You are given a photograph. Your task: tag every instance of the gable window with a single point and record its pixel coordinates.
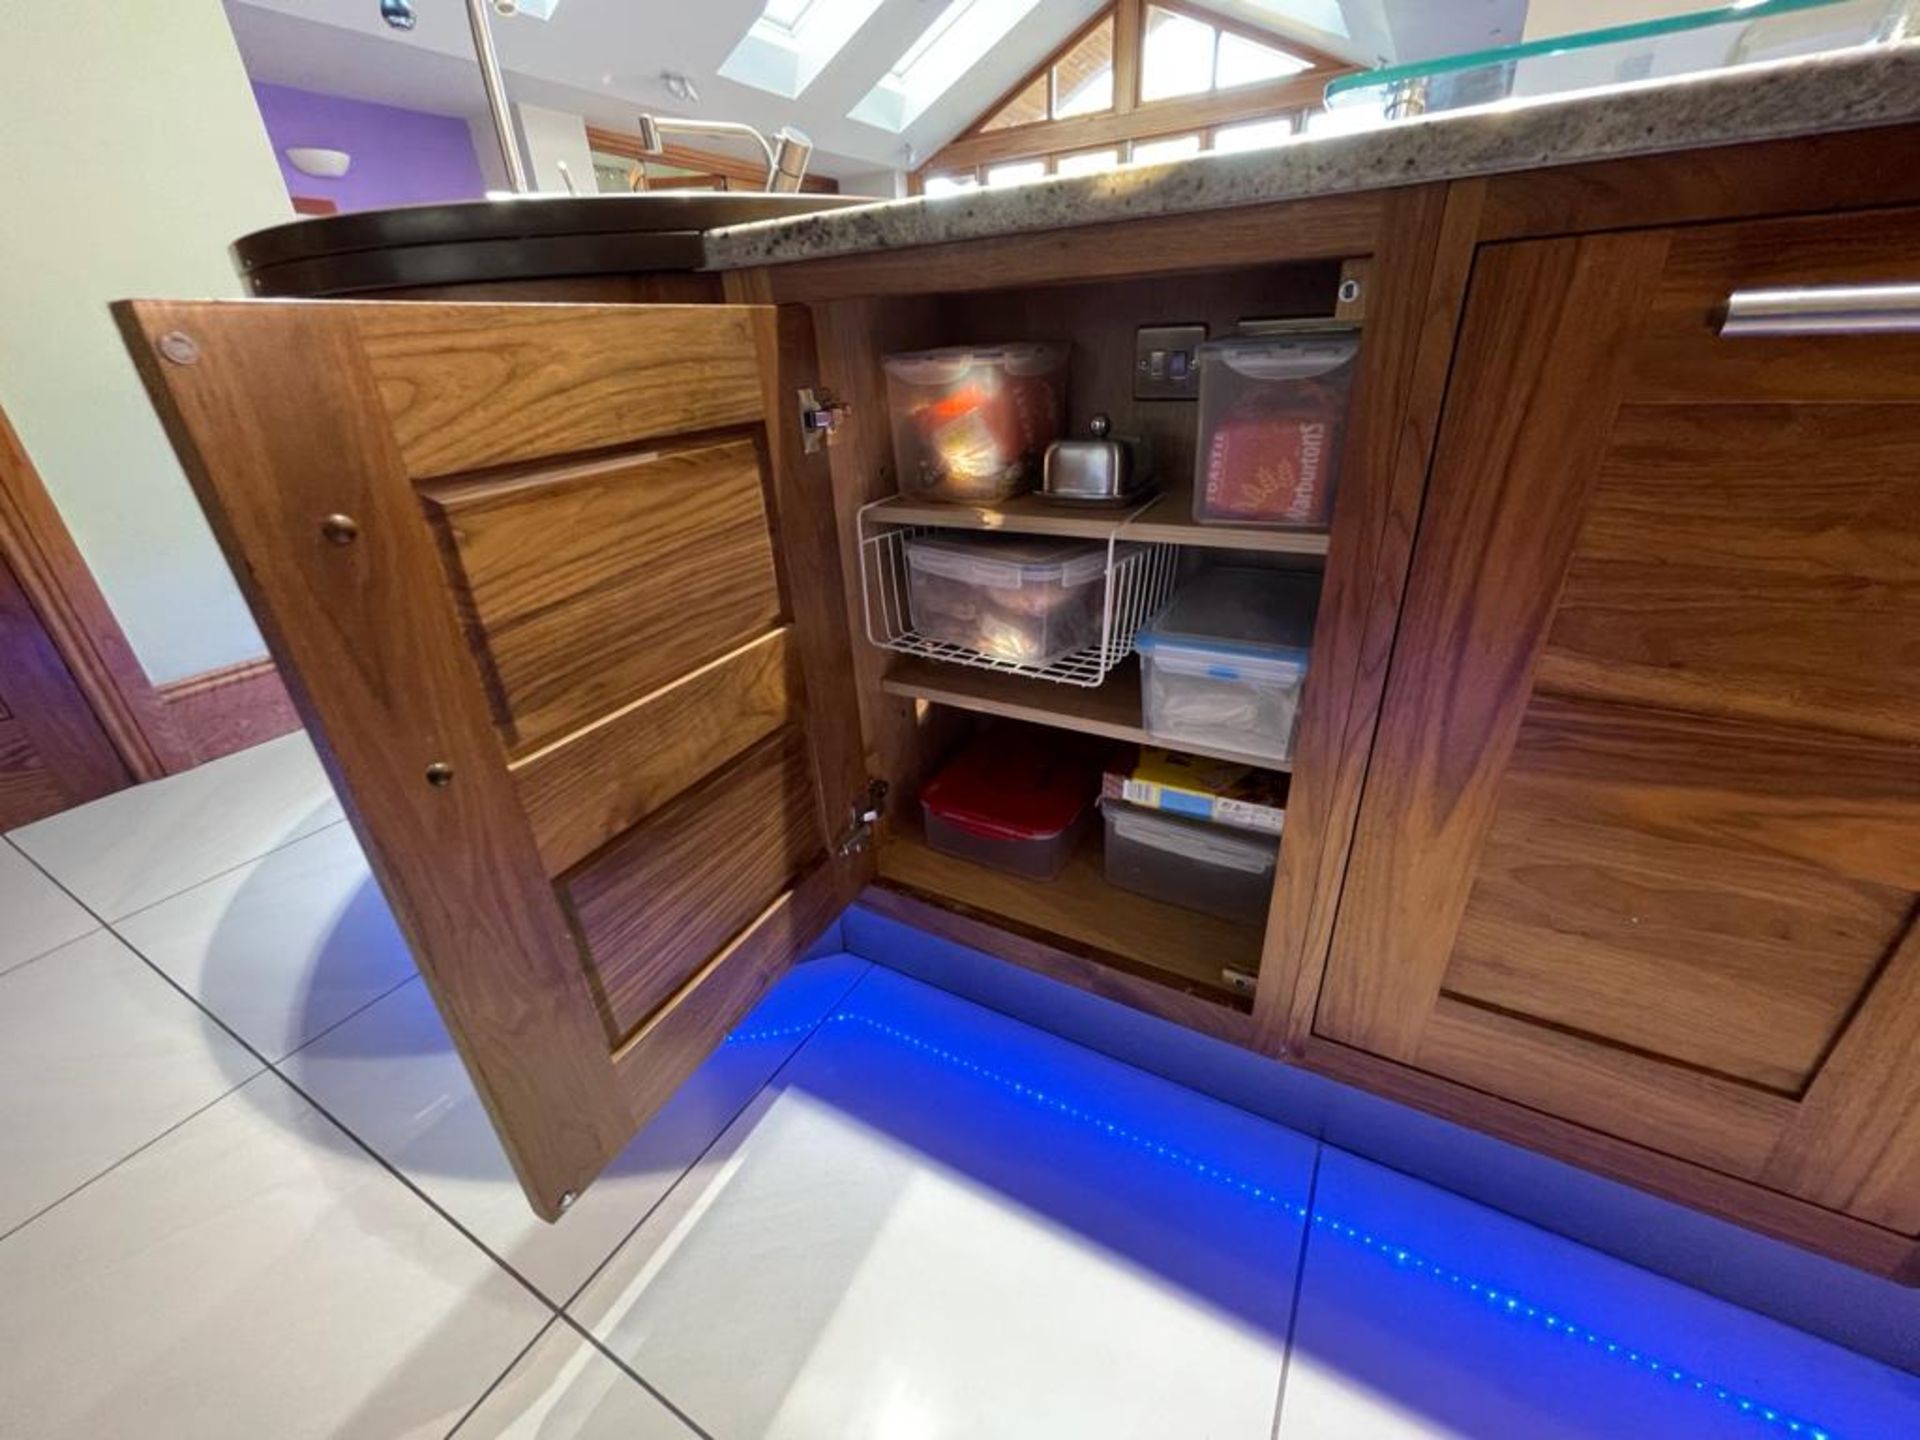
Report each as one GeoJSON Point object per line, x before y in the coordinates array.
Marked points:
{"type": "Point", "coordinates": [1078, 82]}
{"type": "Point", "coordinates": [1183, 55]}
{"type": "Point", "coordinates": [1144, 82]}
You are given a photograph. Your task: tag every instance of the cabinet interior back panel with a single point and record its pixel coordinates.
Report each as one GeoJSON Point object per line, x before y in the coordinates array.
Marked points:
{"type": "Point", "coordinates": [588, 586]}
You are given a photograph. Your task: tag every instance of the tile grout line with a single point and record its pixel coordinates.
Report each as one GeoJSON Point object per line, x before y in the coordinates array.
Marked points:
{"type": "Point", "coordinates": [286, 844]}
{"type": "Point", "coordinates": [500, 1379]}
{"type": "Point", "coordinates": [268, 1067]}
{"type": "Point", "coordinates": [1299, 1287]}
{"type": "Point", "coordinates": [109, 921]}
{"type": "Point", "coordinates": [262, 1063]}
{"type": "Point", "coordinates": [587, 1335]}
{"type": "Point", "coordinates": [137, 1150]}
{"type": "Point", "coordinates": [566, 1312]}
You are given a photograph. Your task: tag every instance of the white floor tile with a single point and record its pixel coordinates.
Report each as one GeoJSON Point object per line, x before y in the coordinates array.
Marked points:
{"type": "Point", "coordinates": [283, 947]}
{"type": "Point", "coordinates": [941, 1223]}
{"type": "Point", "coordinates": [36, 915]}
{"type": "Point", "coordinates": [564, 1386]}
{"type": "Point", "coordinates": [252, 1274]}
{"type": "Point", "coordinates": [130, 849]}
{"type": "Point", "coordinates": [98, 1055]}
{"type": "Point", "coordinates": [390, 1075]}
{"type": "Point", "coordinates": [1395, 1342]}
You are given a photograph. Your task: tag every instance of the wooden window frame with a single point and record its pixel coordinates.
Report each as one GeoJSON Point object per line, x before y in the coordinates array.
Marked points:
{"type": "Point", "coordinates": [1131, 118]}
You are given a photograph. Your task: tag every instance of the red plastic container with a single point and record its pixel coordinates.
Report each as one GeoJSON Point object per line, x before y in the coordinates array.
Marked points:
{"type": "Point", "coordinates": [1016, 800]}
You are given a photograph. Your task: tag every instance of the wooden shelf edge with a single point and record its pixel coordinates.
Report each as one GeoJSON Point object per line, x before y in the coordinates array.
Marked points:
{"type": "Point", "coordinates": [1166, 518]}
{"type": "Point", "coordinates": [1110, 710]}
{"type": "Point", "coordinates": [1080, 913]}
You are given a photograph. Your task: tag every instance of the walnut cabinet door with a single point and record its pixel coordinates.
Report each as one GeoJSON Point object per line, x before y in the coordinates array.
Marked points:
{"type": "Point", "coordinates": [556, 590]}
{"type": "Point", "coordinates": [1640, 840]}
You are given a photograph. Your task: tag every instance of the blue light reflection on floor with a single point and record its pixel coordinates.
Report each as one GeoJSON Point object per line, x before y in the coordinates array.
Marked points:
{"type": "Point", "coordinates": [1548, 1321]}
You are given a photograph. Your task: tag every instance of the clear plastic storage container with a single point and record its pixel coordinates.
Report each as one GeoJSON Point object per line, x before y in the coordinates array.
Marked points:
{"type": "Point", "coordinates": [1273, 418]}
{"type": "Point", "coordinates": [1191, 863]}
{"type": "Point", "coordinates": [971, 423]}
{"type": "Point", "coordinates": [1015, 799]}
{"type": "Point", "coordinates": [1222, 666]}
{"type": "Point", "coordinates": [1026, 599]}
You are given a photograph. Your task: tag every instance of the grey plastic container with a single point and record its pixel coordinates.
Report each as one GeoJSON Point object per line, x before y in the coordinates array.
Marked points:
{"type": "Point", "coordinates": [1222, 667]}
{"type": "Point", "coordinates": [1190, 863]}
{"type": "Point", "coordinates": [1026, 599]}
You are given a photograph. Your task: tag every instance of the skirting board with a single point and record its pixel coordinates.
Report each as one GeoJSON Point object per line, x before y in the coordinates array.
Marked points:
{"type": "Point", "coordinates": [220, 711]}
{"type": "Point", "coordinates": [1849, 1307]}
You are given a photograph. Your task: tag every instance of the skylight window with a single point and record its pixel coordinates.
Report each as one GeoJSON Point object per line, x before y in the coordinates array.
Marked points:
{"type": "Point", "coordinates": [960, 35]}
{"type": "Point", "coordinates": [793, 41]}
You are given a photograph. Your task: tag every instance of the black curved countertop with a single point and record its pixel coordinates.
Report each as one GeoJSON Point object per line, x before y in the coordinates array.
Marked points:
{"type": "Point", "coordinates": [517, 238]}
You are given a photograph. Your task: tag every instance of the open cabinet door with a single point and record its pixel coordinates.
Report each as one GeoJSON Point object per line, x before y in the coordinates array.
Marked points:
{"type": "Point", "coordinates": [555, 589]}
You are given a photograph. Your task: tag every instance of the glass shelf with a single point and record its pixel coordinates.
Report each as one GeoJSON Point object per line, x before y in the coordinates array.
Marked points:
{"type": "Point", "coordinates": [1686, 44]}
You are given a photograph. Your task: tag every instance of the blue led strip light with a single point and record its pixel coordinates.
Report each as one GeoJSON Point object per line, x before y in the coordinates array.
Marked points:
{"type": "Point", "coordinates": [1502, 1301]}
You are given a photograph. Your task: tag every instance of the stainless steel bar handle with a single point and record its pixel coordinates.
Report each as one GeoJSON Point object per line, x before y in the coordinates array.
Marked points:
{"type": "Point", "coordinates": [1823, 310]}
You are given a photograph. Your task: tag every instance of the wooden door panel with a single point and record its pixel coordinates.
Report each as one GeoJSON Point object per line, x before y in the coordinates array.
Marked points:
{"type": "Point", "coordinates": [661, 900]}
{"type": "Point", "coordinates": [1753, 560]}
{"type": "Point", "coordinates": [1640, 845]}
{"type": "Point", "coordinates": [1682, 359]}
{"type": "Point", "coordinates": [1595, 1082]}
{"type": "Point", "coordinates": [472, 386]}
{"type": "Point", "coordinates": [1634, 887]}
{"type": "Point", "coordinates": [1546, 331]}
{"type": "Point", "coordinates": [584, 587]}
{"type": "Point", "coordinates": [528, 731]}
{"type": "Point", "coordinates": [582, 791]}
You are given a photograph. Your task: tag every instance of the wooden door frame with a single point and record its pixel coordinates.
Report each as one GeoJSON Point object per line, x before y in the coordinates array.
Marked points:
{"type": "Point", "coordinates": [36, 546]}
{"type": "Point", "coordinates": [157, 729]}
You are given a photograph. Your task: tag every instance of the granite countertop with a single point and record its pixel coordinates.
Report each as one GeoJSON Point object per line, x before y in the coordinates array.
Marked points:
{"type": "Point", "coordinates": [1850, 90]}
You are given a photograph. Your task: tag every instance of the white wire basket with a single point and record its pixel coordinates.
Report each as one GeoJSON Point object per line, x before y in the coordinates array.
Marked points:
{"type": "Point", "coordinates": [1138, 582]}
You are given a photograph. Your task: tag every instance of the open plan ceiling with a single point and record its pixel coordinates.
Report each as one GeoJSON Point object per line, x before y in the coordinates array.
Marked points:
{"type": "Point", "coordinates": [877, 84]}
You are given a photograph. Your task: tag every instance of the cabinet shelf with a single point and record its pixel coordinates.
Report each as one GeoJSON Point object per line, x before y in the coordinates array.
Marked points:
{"type": "Point", "coordinates": [1112, 709]}
{"type": "Point", "coordinates": [1166, 518]}
{"type": "Point", "coordinates": [1164, 943]}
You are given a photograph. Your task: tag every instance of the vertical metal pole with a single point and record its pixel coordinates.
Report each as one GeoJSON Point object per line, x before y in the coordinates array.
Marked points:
{"type": "Point", "coordinates": [496, 84]}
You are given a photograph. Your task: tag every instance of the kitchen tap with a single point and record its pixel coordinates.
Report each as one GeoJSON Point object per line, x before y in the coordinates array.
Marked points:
{"type": "Point", "coordinates": [787, 153]}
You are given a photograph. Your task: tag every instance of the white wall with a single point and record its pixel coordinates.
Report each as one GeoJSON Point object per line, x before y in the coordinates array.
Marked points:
{"type": "Point", "coordinates": [553, 136]}
{"type": "Point", "coordinates": [132, 155]}
{"type": "Point", "coordinates": [1548, 18]}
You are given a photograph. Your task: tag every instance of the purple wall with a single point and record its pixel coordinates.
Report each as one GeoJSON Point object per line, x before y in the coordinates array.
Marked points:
{"type": "Point", "coordinates": [400, 157]}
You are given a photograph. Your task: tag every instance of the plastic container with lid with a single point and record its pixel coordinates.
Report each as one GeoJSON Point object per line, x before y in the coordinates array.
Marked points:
{"type": "Point", "coordinates": [1190, 863]}
{"type": "Point", "coordinates": [1028, 599]}
{"type": "Point", "coordinates": [1223, 665]}
{"type": "Point", "coordinates": [1015, 799]}
{"type": "Point", "coordinates": [1273, 419]}
{"type": "Point", "coordinates": [971, 422]}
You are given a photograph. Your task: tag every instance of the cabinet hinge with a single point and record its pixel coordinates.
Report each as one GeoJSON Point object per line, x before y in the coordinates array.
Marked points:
{"type": "Point", "coordinates": [866, 809]}
{"type": "Point", "coordinates": [820, 418]}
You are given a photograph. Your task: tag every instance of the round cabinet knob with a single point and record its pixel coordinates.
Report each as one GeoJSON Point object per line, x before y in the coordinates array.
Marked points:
{"type": "Point", "coordinates": [439, 774]}
{"type": "Point", "coordinates": [340, 529]}
{"type": "Point", "coordinates": [1100, 425]}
